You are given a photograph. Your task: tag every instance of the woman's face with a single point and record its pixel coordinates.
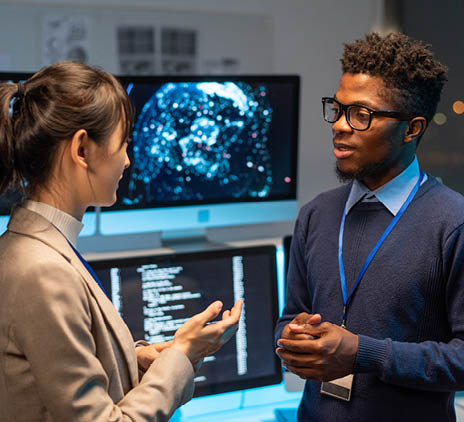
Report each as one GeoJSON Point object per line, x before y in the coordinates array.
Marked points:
{"type": "Point", "coordinates": [108, 168]}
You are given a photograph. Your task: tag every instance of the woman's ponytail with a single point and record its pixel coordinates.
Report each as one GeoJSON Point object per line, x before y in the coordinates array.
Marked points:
{"type": "Point", "coordinates": [10, 96]}
{"type": "Point", "coordinates": [54, 103]}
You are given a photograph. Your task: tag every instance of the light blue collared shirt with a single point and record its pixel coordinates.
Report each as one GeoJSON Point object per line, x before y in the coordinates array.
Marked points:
{"type": "Point", "coordinates": [392, 194]}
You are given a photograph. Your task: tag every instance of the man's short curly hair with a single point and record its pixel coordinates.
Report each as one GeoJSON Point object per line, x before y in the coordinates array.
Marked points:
{"type": "Point", "coordinates": [413, 78]}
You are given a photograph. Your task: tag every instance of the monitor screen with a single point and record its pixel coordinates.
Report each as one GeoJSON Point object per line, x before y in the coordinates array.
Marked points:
{"type": "Point", "coordinates": [156, 294]}
{"type": "Point", "coordinates": [211, 140]}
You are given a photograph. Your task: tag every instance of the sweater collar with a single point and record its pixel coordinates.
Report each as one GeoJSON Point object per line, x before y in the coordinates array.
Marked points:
{"type": "Point", "coordinates": [65, 223]}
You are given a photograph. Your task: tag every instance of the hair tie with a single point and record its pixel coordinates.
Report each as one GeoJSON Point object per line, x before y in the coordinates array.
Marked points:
{"type": "Point", "coordinates": [20, 92]}
{"type": "Point", "coordinates": [16, 100]}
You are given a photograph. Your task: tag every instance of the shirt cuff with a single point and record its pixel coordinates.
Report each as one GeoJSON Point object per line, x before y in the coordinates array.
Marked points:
{"type": "Point", "coordinates": [371, 355]}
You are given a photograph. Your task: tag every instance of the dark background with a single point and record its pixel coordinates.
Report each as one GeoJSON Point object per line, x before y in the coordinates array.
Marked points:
{"type": "Point", "coordinates": [441, 24]}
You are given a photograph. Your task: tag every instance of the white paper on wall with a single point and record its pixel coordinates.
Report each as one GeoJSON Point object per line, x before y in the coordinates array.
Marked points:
{"type": "Point", "coordinates": [65, 38]}
{"type": "Point", "coordinates": [149, 50]}
{"type": "Point", "coordinates": [178, 51]}
{"type": "Point", "coordinates": [136, 50]}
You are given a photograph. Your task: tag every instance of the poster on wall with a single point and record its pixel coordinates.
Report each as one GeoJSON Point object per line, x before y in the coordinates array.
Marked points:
{"type": "Point", "coordinates": [146, 50]}
{"type": "Point", "coordinates": [136, 48]}
{"type": "Point", "coordinates": [65, 38]}
{"type": "Point", "coordinates": [178, 51]}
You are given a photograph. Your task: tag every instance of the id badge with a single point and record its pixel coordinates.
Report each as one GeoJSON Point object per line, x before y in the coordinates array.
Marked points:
{"type": "Point", "coordinates": [339, 388]}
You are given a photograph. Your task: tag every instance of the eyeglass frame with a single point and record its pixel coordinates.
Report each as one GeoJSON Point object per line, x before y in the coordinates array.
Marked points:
{"type": "Point", "coordinates": [344, 109]}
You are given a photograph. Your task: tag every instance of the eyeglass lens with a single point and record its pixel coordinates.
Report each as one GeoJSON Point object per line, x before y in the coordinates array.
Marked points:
{"type": "Point", "coordinates": [358, 117]}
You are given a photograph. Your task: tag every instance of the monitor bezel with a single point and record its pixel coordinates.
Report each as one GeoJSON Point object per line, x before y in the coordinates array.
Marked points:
{"type": "Point", "coordinates": [269, 250]}
{"type": "Point", "coordinates": [15, 77]}
{"type": "Point", "coordinates": [293, 79]}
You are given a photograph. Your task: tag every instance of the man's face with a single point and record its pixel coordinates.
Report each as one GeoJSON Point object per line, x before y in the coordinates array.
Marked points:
{"type": "Point", "coordinates": [378, 154]}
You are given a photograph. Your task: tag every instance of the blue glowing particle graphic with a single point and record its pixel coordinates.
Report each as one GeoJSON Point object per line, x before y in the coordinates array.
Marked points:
{"type": "Point", "coordinates": [201, 141]}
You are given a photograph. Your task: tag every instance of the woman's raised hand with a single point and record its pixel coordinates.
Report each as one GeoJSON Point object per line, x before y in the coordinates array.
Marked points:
{"type": "Point", "coordinates": [199, 337]}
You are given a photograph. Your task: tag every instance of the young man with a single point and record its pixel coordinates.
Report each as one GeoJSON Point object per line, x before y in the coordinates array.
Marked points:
{"type": "Point", "coordinates": [374, 317]}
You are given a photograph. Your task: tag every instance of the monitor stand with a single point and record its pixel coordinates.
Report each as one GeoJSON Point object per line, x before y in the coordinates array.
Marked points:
{"type": "Point", "coordinates": [189, 240]}
{"type": "Point", "coordinates": [174, 240]}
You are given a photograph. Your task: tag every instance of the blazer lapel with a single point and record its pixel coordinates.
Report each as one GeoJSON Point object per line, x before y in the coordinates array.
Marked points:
{"type": "Point", "coordinates": [113, 319]}
{"type": "Point", "coordinates": [29, 223]}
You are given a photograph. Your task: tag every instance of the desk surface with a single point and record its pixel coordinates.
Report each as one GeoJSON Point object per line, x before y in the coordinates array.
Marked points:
{"type": "Point", "coordinates": [277, 412]}
{"type": "Point", "coordinates": [253, 405]}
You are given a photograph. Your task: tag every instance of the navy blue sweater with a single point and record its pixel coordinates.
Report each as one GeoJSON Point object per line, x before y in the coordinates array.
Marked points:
{"type": "Point", "coordinates": [408, 309]}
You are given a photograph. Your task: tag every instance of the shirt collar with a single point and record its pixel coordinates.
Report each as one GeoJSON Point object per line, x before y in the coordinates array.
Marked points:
{"type": "Point", "coordinates": [69, 226]}
{"type": "Point", "coordinates": [392, 194]}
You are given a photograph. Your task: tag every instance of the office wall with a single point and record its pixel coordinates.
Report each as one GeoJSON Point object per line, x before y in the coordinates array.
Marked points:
{"type": "Point", "coordinates": [302, 36]}
{"type": "Point", "coordinates": [268, 36]}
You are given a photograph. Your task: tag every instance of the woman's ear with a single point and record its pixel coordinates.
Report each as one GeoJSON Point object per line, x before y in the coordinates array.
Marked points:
{"type": "Point", "coordinates": [416, 128]}
{"type": "Point", "coordinates": [80, 148]}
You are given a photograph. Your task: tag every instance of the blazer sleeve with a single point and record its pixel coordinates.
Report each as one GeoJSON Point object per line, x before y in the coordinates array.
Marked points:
{"type": "Point", "coordinates": [53, 327]}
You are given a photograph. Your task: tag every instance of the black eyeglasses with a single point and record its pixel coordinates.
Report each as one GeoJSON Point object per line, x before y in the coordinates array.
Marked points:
{"type": "Point", "coordinates": [358, 117]}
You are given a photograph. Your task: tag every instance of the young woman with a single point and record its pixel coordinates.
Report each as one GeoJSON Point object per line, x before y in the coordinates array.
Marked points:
{"type": "Point", "coordinates": [65, 354]}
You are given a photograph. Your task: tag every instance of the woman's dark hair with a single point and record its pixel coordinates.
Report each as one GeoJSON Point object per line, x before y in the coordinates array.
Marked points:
{"type": "Point", "coordinates": [413, 78]}
{"type": "Point", "coordinates": [57, 101]}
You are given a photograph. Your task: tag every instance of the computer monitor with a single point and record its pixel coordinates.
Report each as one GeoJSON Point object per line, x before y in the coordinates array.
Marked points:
{"type": "Point", "coordinates": [156, 294]}
{"type": "Point", "coordinates": [208, 151]}
{"type": "Point", "coordinates": [11, 198]}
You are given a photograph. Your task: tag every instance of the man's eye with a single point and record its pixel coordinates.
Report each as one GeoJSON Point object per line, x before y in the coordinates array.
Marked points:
{"type": "Point", "coordinates": [360, 113]}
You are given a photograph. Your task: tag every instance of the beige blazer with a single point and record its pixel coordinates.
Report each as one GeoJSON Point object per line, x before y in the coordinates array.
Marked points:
{"type": "Point", "coordinates": [65, 353]}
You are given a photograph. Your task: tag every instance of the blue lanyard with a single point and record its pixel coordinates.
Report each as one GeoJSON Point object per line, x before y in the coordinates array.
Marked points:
{"type": "Point", "coordinates": [346, 298]}
{"type": "Point", "coordinates": [88, 267]}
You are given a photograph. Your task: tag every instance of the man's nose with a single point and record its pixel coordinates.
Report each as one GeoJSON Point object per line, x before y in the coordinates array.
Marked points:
{"type": "Point", "coordinates": [341, 125]}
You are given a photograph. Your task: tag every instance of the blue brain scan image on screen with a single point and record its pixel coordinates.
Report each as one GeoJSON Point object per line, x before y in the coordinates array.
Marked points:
{"type": "Point", "coordinates": [205, 140]}
{"type": "Point", "coordinates": [209, 140]}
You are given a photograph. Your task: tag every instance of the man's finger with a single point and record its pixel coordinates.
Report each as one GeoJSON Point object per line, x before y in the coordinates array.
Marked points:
{"type": "Point", "coordinates": [299, 346]}
{"type": "Point", "coordinates": [300, 332]}
{"type": "Point", "coordinates": [297, 359]}
{"type": "Point", "coordinates": [305, 318]}
{"type": "Point", "coordinates": [305, 373]}
{"type": "Point", "coordinates": [315, 330]}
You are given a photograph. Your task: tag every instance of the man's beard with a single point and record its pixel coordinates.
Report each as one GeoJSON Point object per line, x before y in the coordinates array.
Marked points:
{"type": "Point", "coordinates": [368, 171]}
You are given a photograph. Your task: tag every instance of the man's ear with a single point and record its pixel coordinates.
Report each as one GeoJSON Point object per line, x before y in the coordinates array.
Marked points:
{"type": "Point", "coordinates": [416, 128]}
{"type": "Point", "coordinates": [80, 148]}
